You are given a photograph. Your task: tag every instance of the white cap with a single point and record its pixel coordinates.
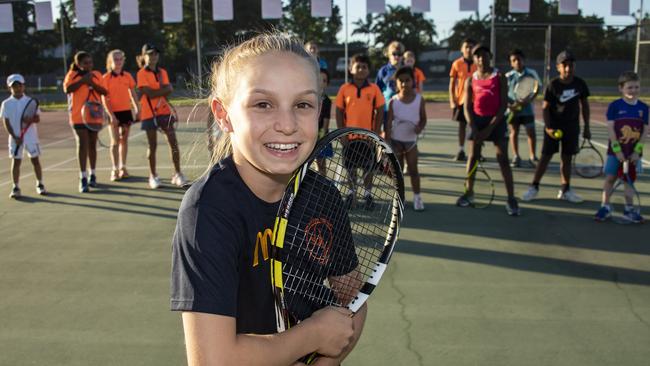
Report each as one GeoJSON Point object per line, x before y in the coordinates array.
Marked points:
{"type": "Point", "coordinates": [15, 77]}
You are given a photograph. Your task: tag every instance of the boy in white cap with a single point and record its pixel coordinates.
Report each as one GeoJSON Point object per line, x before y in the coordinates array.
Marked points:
{"type": "Point", "coordinates": [11, 113]}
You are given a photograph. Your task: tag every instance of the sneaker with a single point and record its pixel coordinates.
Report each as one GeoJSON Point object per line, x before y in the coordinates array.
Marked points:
{"type": "Point", "coordinates": [418, 205]}
{"type": "Point", "coordinates": [632, 215]}
{"type": "Point", "coordinates": [123, 173]}
{"type": "Point", "coordinates": [569, 196]}
{"type": "Point", "coordinates": [516, 162]}
{"type": "Point", "coordinates": [154, 182]}
{"type": "Point", "coordinates": [179, 180]}
{"type": "Point", "coordinates": [115, 175]}
{"type": "Point", "coordinates": [40, 189]}
{"type": "Point", "coordinates": [93, 181]}
{"type": "Point", "coordinates": [460, 156]}
{"type": "Point", "coordinates": [83, 185]}
{"type": "Point", "coordinates": [465, 200]}
{"type": "Point", "coordinates": [512, 207]}
{"type": "Point", "coordinates": [533, 162]}
{"type": "Point", "coordinates": [15, 193]}
{"type": "Point", "coordinates": [530, 194]}
{"type": "Point", "coordinates": [369, 204]}
{"type": "Point", "coordinates": [603, 213]}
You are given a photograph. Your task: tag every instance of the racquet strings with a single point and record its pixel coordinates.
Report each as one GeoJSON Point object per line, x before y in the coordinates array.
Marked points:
{"type": "Point", "coordinates": [482, 191]}
{"type": "Point", "coordinates": [525, 87]}
{"type": "Point", "coordinates": [588, 162]}
{"type": "Point", "coordinates": [331, 247]}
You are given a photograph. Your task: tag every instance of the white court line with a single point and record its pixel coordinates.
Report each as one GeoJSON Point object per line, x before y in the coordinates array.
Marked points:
{"type": "Point", "coordinates": [52, 167]}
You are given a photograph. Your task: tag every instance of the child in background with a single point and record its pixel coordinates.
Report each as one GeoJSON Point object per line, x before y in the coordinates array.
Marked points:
{"type": "Point", "coordinates": [324, 121]}
{"type": "Point", "coordinates": [461, 70]}
{"type": "Point", "coordinates": [406, 119]}
{"type": "Point", "coordinates": [627, 126]}
{"type": "Point", "coordinates": [384, 79]}
{"type": "Point", "coordinates": [11, 113]}
{"type": "Point", "coordinates": [312, 47]}
{"type": "Point", "coordinates": [409, 60]}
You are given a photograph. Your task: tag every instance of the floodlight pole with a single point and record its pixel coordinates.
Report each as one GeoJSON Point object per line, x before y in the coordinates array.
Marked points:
{"type": "Point", "coordinates": [493, 34]}
{"type": "Point", "coordinates": [346, 42]}
{"type": "Point", "coordinates": [638, 38]}
{"type": "Point", "coordinates": [198, 39]}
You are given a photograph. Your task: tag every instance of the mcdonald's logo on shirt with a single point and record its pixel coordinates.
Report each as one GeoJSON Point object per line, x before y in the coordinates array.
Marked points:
{"type": "Point", "coordinates": [264, 238]}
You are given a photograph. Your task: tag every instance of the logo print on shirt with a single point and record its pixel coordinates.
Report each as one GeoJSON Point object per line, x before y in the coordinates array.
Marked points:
{"type": "Point", "coordinates": [568, 94]}
{"type": "Point", "coordinates": [629, 134]}
{"type": "Point", "coordinates": [264, 238]}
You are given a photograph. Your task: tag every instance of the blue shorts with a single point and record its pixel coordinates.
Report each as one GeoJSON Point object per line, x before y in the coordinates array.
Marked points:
{"type": "Point", "coordinates": [612, 164]}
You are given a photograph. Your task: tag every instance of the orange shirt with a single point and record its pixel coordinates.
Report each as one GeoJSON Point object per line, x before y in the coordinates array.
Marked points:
{"type": "Point", "coordinates": [461, 71]}
{"type": "Point", "coordinates": [153, 80]}
{"type": "Point", "coordinates": [118, 86]}
{"type": "Point", "coordinates": [419, 77]}
{"type": "Point", "coordinates": [77, 98]}
{"type": "Point", "coordinates": [359, 104]}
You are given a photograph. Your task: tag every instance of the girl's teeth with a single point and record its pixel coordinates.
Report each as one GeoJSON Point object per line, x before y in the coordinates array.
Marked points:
{"type": "Point", "coordinates": [282, 146]}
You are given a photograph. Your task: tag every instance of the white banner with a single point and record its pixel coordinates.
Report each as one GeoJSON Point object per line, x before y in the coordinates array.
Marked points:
{"type": "Point", "coordinates": [271, 9]}
{"type": "Point", "coordinates": [222, 10]}
{"type": "Point", "coordinates": [519, 6]}
{"type": "Point", "coordinates": [621, 7]}
{"type": "Point", "coordinates": [375, 6]}
{"type": "Point", "coordinates": [420, 6]}
{"type": "Point", "coordinates": [85, 13]}
{"type": "Point", "coordinates": [172, 11]}
{"type": "Point", "coordinates": [468, 5]}
{"type": "Point", "coordinates": [129, 12]}
{"type": "Point", "coordinates": [6, 18]}
{"type": "Point", "coordinates": [44, 19]}
{"type": "Point", "coordinates": [568, 7]}
{"type": "Point", "coordinates": [321, 8]}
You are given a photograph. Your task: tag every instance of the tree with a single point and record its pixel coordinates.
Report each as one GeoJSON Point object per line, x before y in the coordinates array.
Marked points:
{"type": "Point", "coordinates": [364, 26]}
{"type": "Point", "coordinates": [297, 20]}
{"type": "Point", "coordinates": [399, 24]}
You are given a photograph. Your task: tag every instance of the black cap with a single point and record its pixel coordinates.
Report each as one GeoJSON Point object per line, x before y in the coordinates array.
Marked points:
{"type": "Point", "coordinates": [564, 56]}
{"type": "Point", "coordinates": [149, 48]}
{"type": "Point", "coordinates": [478, 47]}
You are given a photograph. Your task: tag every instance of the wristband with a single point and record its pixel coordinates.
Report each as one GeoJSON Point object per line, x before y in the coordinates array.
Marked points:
{"type": "Point", "coordinates": [638, 148]}
{"type": "Point", "coordinates": [616, 147]}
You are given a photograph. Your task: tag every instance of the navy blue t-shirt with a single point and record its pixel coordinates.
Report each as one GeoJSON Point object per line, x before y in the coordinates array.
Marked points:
{"type": "Point", "coordinates": [220, 251]}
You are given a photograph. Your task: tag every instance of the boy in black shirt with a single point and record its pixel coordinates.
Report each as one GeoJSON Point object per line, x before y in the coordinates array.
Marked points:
{"type": "Point", "coordinates": [565, 96]}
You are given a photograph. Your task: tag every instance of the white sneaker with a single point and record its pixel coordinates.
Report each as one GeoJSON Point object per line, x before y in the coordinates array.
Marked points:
{"type": "Point", "coordinates": [154, 182]}
{"type": "Point", "coordinates": [530, 194]}
{"type": "Point", "coordinates": [569, 196]}
{"type": "Point", "coordinates": [418, 205]}
{"type": "Point", "coordinates": [179, 179]}
{"type": "Point", "coordinates": [40, 189]}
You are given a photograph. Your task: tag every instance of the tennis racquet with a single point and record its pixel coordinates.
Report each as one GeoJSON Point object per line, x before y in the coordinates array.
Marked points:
{"type": "Point", "coordinates": [526, 87]}
{"type": "Point", "coordinates": [624, 198]}
{"type": "Point", "coordinates": [479, 187]}
{"type": "Point", "coordinates": [163, 122]}
{"type": "Point", "coordinates": [93, 115]}
{"type": "Point", "coordinates": [588, 162]}
{"type": "Point", "coordinates": [26, 121]}
{"type": "Point", "coordinates": [323, 253]}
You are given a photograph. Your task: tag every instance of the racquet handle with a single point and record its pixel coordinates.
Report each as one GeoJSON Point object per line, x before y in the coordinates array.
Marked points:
{"type": "Point", "coordinates": [626, 167]}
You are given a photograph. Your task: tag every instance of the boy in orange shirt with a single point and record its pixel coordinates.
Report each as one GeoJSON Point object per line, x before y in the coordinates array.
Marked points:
{"type": "Point", "coordinates": [360, 103]}
{"type": "Point", "coordinates": [461, 70]}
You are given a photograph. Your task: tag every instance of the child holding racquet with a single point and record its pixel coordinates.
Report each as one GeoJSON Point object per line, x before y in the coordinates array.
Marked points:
{"type": "Point", "coordinates": [122, 108]}
{"type": "Point", "coordinates": [406, 119]}
{"type": "Point", "coordinates": [19, 122]}
{"type": "Point", "coordinates": [461, 70]}
{"type": "Point", "coordinates": [485, 105]}
{"type": "Point", "coordinates": [627, 126]}
{"type": "Point", "coordinates": [266, 96]}
{"type": "Point", "coordinates": [156, 113]}
{"type": "Point", "coordinates": [523, 112]}
{"type": "Point", "coordinates": [84, 87]}
{"type": "Point", "coordinates": [565, 97]}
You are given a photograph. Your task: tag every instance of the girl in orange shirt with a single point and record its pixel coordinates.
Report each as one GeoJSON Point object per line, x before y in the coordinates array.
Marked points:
{"type": "Point", "coordinates": [153, 84]}
{"type": "Point", "coordinates": [122, 108]}
{"type": "Point", "coordinates": [83, 84]}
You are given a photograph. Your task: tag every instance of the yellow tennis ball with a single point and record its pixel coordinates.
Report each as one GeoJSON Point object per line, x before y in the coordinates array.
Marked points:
{"type": "Point", "coordinates": [558, 134]}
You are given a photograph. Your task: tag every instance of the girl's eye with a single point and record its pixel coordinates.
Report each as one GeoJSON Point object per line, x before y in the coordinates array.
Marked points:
{"type": "Point", "coordinates": [304, 105]}
{"type": "Point", "coordinates": [263, 105]}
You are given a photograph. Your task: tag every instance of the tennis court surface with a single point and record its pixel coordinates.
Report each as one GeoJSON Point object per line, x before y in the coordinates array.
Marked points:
{"type": "Point", "coordinates": [84, 278]}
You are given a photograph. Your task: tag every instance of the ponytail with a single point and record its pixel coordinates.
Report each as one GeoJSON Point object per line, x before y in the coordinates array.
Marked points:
{"type": "Point", "coordinates": [78, 57]}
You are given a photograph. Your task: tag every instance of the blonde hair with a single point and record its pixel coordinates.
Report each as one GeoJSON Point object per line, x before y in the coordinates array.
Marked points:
{"type": "Point", "coordinates": [408, 54]}
{"type": "Point", "coordinates": [109, 59]}
{"type": "Point", "coordinates": [227, 69]}
{"type": "Point", "coordinates": [394, 45]}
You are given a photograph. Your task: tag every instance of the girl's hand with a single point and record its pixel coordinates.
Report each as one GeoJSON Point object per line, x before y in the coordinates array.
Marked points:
{"type": "Point", "coordinates": [112, 119]}
{"type": "Point", "coordinates": [418, 129]}
{"type": "Point", "coordinates": [335, 329]}
{"type": "Point", "coordinates": [87, 78]}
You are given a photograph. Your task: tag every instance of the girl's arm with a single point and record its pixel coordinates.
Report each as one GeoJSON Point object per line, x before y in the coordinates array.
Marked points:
{"type": "Point", "coordinates": [108, 109]}
{"type": "Point", "coordinates": [10, 131]}
{"type": "Point", "coordinates": [423, 116]}
{"type": "Point", "coordinates": [389, 121]}
{"type": "Point", "coordinates": [86, 79]}
{"type": "Point", "coordinates": [98, 87]}
{"type": "Point", "coordinates": [164, 91]}
{"type": "Point", "coordinates": [134, 102]}
{"type": "Point", "coordinates": [379, 118]}
{"type": "Point", "coordinates": [469, 103]}
{"type": "Point", "coordinates": [503, 99]}
{"type": "Point", "coordinates": [212, 340]}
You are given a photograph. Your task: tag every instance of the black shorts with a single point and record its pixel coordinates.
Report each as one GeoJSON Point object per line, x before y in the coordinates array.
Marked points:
{"type": "Point", "coordinates": [403, 146]}
{"type": "Point", "coordinates": [124, 118]}
{"type": "Point", "coordinates": [499, 132]}
{"type": "Point", "coordinates": [528, 121]}
{"type": "Point", "coordinates": [570, 142]}
{"type": "Point", "coordinates": [458, 114]}
{"type": "Point", "coordinates": [81, 126]}
{"type": "Point", "coordinates": [359, 154]}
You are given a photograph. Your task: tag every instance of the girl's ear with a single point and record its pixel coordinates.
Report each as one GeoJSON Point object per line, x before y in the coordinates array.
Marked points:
{"type": "Point", "coordinates": [220, 115]}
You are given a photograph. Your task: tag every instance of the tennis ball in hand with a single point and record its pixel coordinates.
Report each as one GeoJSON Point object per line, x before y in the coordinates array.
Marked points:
{"type": "Point", "coordinates": [558, 134]}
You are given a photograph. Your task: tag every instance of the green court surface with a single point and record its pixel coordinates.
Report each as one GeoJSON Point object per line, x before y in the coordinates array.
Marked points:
{"type": "Point", "coordinates": [84, 279]}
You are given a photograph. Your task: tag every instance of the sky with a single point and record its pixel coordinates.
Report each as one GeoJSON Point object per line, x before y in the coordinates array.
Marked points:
{"type": "Point", "coordinates": [447, 14]}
